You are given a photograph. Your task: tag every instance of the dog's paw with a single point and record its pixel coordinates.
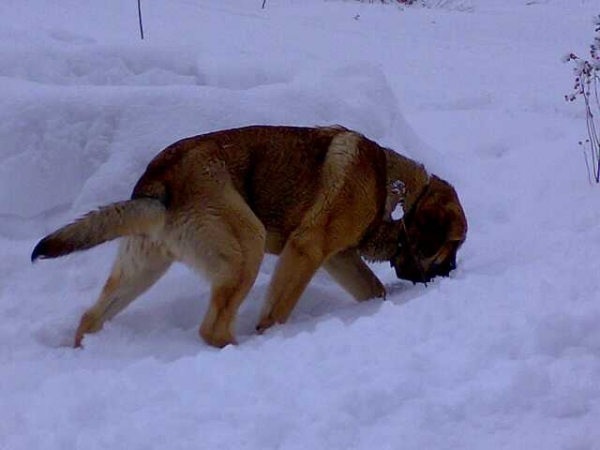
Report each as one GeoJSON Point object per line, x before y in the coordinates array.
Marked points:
{"type": "Point", "coordinates": [264, 323]}
{"type": "Point", "coordinates": [218, 340]}
{"type": "Point", "coordinates": [89, 323]}
{"type": "Point", "coordinates": [78, 341]}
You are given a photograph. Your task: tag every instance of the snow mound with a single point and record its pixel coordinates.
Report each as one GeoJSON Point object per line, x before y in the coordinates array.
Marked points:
{"type": "Point", "coordinates": [63, 148]}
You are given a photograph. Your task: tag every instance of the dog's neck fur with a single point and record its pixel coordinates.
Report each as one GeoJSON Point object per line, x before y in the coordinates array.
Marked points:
{"type": "Point", "coordinates": [412, 174]}
{"type": "Point", "coordinates": [382, 243]}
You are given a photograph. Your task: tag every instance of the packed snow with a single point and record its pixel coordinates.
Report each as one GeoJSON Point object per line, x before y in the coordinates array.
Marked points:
{"type": "Point", "coordinates": [503, 354]}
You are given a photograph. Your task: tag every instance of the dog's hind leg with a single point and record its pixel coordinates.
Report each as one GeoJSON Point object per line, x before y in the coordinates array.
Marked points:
{"type": "Point", "coordinates": [223, 239]}
{"type": "Point", "coordinates": [235, 243]}
{"type": "Point", "coordinates": [140, 263]}
{"type": "Point", "coordinates": [354, 275]}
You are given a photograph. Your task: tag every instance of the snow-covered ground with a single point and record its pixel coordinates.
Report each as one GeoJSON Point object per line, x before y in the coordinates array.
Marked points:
{"type": "Point", "coordinates": [504, 354]}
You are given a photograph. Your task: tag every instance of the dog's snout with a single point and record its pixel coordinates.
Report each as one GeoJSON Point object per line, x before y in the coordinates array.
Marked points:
{"type": "Point", "coordinates": [452, 264]}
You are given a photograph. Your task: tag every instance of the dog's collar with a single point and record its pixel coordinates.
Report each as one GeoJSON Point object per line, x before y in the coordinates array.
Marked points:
{"type": "Point", "coordinates": [417, 197]}
{"type": "Point", "coordinates": [404, 231]}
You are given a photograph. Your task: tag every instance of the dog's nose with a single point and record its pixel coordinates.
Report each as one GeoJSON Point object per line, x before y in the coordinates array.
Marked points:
{"type": "Point", "coordinates": [444, 268]}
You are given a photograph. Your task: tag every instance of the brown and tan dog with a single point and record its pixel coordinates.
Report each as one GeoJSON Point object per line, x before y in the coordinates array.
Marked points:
{"type": "Point", "coordinates": [317, 197]}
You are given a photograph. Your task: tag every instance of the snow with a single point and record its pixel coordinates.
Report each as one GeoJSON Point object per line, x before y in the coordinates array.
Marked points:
{"type": "Point", "coordinates": [503, 354]}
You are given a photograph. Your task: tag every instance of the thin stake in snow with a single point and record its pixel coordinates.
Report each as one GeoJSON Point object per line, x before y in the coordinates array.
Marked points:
{"type": "Point", "coordinates": [140, 19]}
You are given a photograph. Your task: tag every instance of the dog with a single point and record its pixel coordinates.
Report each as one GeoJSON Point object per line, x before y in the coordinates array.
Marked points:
{"type": "Point", "coordinates": [315, 196]}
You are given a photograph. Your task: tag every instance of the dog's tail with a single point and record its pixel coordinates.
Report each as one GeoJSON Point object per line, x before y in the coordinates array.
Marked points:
{"type": "Point", "coordinates": [132, 217]}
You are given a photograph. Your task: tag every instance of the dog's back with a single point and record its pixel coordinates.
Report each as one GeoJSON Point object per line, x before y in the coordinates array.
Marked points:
{"type": "Point", "coordinates": [276, 170]}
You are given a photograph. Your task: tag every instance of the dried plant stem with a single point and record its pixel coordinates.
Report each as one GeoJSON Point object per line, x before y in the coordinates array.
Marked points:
{"type": "Point", "coordinates": [586, 86]}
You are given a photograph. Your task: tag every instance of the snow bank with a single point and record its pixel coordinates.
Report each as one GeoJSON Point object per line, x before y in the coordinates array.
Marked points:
{"type": "Point", "coordinates": [77, 146]}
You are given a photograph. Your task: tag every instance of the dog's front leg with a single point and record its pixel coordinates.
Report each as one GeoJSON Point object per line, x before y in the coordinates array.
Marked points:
{"type": "Point", "coordinates": [353, 274]}
{"type": "Point", "coordinates": [298, 262]}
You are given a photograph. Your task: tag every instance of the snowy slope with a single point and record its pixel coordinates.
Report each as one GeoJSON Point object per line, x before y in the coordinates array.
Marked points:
{"type": "Point", "coordinates": [503, 354]}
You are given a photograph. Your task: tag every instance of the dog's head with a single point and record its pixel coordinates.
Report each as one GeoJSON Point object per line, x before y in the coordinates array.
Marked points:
{"type": "Point", "coordinates": [431, 233]}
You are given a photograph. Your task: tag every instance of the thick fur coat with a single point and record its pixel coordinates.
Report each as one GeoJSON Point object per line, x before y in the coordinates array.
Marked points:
{"type": "Point", "coordinates": [317, 197]}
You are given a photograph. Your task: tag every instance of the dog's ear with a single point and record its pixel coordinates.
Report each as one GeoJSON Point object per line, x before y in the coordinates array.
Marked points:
{"type": "Point", "coordinates": [444, 200]}
{"type": "Point", "coordinates": [394, 201]}
{"type": "Point", "coordinates": [458, 224]}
